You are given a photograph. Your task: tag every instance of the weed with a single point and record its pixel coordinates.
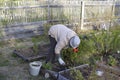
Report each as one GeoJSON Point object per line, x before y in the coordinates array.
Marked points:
{"type": "Point", "coordinates": [14, 55]}
{"type": "Point", "coordinates": [35, 46]}
{"type": "Point", "coordinates": [2, 77]}
{"type": "Point", "coordinates": [47, 66]}
{"type": "Point", "coordinates": [112, 61]}
{"type": "Point", "coordinates": [3, 43]}
{"type": "Point", "coordinates": [93, 76]}
{"type": "Point", "coordinates": [76, 74]}
{"type": "Point", "coordinates": [4, 63]}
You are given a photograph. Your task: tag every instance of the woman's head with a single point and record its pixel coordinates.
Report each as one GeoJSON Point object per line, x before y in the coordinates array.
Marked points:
{"type": "Point", "coordinates": [74, 42]}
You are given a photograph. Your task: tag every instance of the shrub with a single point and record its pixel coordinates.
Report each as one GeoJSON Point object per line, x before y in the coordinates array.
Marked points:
{"type": "Point", "coordinates": [112, 61]}
{"type": "Point", "coordinates": [76, 74]}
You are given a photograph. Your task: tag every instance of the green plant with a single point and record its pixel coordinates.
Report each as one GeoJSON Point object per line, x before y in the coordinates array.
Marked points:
{"type": "Point", "coordinates": [76, 74]}
{"type": "Point", "coordinates": [112, 61]}
{"type": "Point", "coordinates": [93, 76]}
{"type": "Point", "coordinates": [116, 40]}
{"type": "Point", "coordinates": [70, 57]}
{"type": "Point", "coordinates": [47, 66]}
{"type": "Point", "coordinates": [86, 50]}
{"type": "Point", "coordinates": [98, 45]}
{"type": "Point", "coordinates": [106, 41]}
{"type": "Point", "coordinates": [2, 77]}
{"type": "Point", "coordinates": [3, 43]}
{"type": "Point", "coordinates": [93, 59]}
{"type": "Point", "coordinates": [37, 40]}
{"type": "Point", "coordinates": [35, 46]}
{"type": "Point", "coordinates": [3, 61]}
{"type": "Point", "coordinates": [4, 22]}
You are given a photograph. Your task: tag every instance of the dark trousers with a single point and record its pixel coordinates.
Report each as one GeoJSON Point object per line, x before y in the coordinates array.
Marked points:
{"type": "Point", "coordinates": [51, 53]}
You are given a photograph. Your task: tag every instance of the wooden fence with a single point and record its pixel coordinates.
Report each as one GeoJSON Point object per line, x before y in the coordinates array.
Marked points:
{"type": "Point", "coordinates": [28, 17]}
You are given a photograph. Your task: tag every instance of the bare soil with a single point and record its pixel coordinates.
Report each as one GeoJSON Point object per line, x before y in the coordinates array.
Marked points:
{"type": "Point", "coordinates": [28, 52]}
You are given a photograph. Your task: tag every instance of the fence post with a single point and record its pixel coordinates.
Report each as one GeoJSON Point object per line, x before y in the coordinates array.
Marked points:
{"type": "Point", "coordinates": [48, 10]}
{"type": "Point", "coordinates": [112, 13]}
{"type": "Point", "coordinates": [82, 14]}
{"type": "Point", "coordinates": [113, 8]}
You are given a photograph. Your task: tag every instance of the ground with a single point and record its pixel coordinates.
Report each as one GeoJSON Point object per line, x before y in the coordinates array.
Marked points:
{"type": "Point", "coordinates": [13, 67]}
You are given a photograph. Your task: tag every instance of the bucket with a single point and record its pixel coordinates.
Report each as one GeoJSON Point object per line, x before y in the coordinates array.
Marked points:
{"type": "Point", "coordinates": [35, 68]}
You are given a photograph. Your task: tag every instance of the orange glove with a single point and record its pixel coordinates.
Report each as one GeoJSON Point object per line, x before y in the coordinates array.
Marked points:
{"type": "Point", "coordinates": [75, 50]}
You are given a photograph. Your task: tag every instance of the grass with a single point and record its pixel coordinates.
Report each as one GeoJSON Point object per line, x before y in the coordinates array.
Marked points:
{"type": "Point", "coordinates": [3, 61]}
{"type": "Point", "coordinates": [80, 57]}
{"type": "Point", "coordinates": [2, 77]}
{"type": "Point", "coordinates": [2, 43]}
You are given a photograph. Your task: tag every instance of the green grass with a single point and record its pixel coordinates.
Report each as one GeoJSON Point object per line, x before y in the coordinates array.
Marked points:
{"type": "Point", "coordinates": [3, 61]}
{"type": "Point", "coordinates": [2, 43]}
{"type": "Point", "coordinates": [2, 77]}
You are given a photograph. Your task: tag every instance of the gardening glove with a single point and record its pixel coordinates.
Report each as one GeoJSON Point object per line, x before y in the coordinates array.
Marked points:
{"type": "Point", "coordinates": [61, 62]}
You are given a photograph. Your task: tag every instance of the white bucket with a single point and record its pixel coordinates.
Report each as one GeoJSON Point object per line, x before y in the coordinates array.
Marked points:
{"type": "Point", "coordinates": [35, 68]}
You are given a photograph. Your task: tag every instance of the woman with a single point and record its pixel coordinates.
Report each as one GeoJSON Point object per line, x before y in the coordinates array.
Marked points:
{"type": "Point", "coordinates": [60, 37]}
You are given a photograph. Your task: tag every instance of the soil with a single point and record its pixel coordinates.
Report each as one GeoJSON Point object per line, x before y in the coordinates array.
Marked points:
{"type": "Point", "coordinates": [30, 54]}
{"type": "Point", "coordinates": [115, 55]}
{"type": "Point", "coordinates": [15, 68]}
{"type": "Point", "coordinates": [107, 60]}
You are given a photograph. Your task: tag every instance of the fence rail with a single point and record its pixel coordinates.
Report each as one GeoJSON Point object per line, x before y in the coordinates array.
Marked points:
{"type": "Point", "coordinates": [22, 31]}
{"type": "Point", "coordinates": [97, 3]}
{"type": "Point", "coordinates": [23, 7]}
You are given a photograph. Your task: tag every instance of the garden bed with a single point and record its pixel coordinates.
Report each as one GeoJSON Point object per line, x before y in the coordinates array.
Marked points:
{"type": "Point", "coordinates": [112, 59]}
{"type": "Point", "coordinates": [110, 69]}
{"type": "Point", "coordinates": [109, 72]}
{"type": "Point", "coordinates": [29, 54]}
{"type": "Point", "coordinates": [70, 72]}
{"type": "Point", "coordinates": [81, 72]}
